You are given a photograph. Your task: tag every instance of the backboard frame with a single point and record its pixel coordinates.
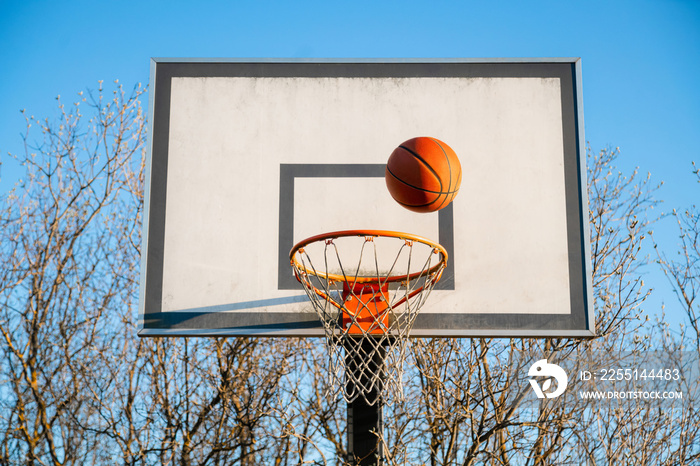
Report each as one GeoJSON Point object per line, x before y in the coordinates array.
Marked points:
{"type": "Point", "coordinates": [220, 321]}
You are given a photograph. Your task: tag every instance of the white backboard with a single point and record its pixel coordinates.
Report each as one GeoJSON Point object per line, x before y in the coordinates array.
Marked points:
{"type": "Point", "coordinates": [249, 157]}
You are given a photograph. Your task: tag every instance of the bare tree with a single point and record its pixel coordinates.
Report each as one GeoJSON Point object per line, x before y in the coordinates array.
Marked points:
{"type": "Point", "coordinates": [65, 271]}
{"type": "Point", "coordinates": [79, 387]}
{"type": "Point", "coordinates": [683, 268]}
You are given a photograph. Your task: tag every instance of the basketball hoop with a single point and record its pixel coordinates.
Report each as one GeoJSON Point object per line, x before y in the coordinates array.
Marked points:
{"type": "Point", "coordinates": [367, 300]}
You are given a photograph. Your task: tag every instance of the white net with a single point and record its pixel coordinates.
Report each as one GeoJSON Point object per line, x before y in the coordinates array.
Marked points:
{"type": "Point", "coordinates": [367, 288]}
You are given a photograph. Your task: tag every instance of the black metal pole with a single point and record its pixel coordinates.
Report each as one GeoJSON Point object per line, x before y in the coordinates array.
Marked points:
{"type": "Point", "coordinates": [365, 419]}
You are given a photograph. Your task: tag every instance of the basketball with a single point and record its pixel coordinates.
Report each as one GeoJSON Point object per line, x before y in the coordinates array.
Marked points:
{"type": "Point", "coordinates": [423, 174]}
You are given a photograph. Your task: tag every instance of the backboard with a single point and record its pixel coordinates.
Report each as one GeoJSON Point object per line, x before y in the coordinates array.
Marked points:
{"type": "Point", "coordinates": [248, 157]}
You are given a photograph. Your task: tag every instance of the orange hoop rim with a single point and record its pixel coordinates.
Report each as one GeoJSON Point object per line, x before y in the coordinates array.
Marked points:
{"type": "Point", "coordinates": [299, 247]}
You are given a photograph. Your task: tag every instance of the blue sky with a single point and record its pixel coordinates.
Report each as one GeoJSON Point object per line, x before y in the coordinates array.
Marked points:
{"type": "Point", "coordinates": [640, 59]}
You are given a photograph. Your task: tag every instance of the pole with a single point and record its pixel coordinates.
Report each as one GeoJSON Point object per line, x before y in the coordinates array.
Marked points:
{"type": "Point", "coordinates": [365, 419]}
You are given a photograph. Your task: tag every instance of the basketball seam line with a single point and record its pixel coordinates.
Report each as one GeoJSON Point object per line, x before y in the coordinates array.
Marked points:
{"type": "Point", "coordinates": [449, 166]}
{"type": "Point", "coordinates": [416, 205]}
{"type": "Point", "coordinates": [417, 187]}
{"type": "Point", "coordinates": [427, 165]}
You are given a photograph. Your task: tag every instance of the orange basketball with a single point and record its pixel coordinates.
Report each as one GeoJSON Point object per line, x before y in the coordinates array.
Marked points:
{"type": "Point", "coordinates": [423, 174]}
